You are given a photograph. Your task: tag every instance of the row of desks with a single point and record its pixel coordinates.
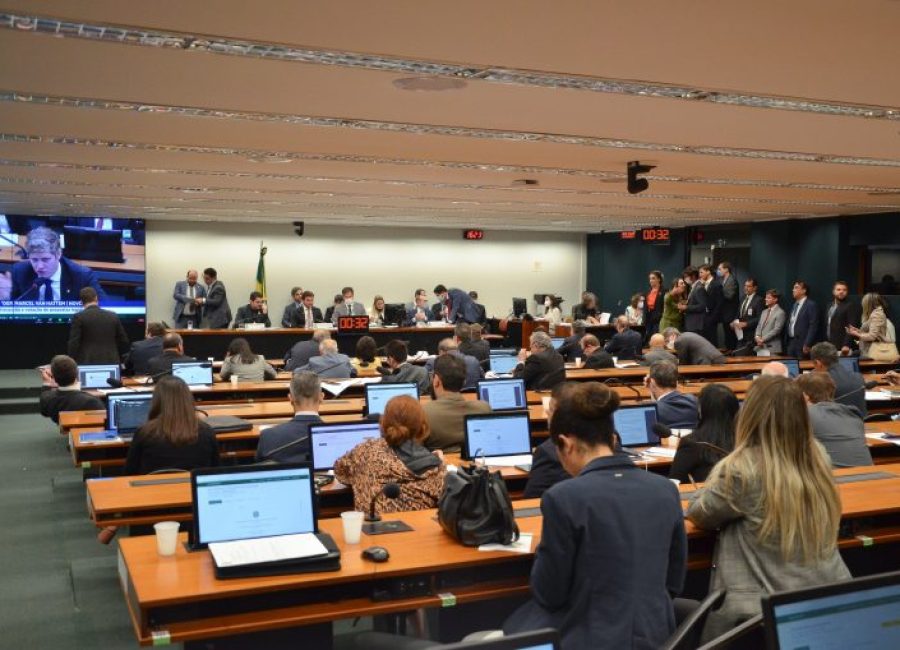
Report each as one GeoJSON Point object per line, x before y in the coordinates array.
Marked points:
{"type": "Point", "coordinates": [177, 599]}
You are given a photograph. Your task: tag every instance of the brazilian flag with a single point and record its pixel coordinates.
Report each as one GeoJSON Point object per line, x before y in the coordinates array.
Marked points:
{"type": "Point", "coordinates": [261, 271]}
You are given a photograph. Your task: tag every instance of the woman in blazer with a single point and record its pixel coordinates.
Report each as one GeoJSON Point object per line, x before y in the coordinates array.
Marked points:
{"type": "Point", "coordinates": [613, 549]}
{"type": "Point", "coordinates": [874, 327]}
{"type": "Point", "coordinates": [653, 304]}
{"type": "Point", "coordinates": [775, 505]}
{"type": "Point", "coordinates": [240, 362]}
{"type": "Point", "coordinates": [671, 315]}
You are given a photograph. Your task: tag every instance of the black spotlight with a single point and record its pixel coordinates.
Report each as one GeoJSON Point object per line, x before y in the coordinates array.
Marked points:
{"type": "Point", "coordinates": [298, 227]}
{"type": "Point", "coordinates": [637, 185]}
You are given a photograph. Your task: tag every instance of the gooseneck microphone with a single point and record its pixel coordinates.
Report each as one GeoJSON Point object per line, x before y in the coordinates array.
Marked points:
{"type": "Point", "coordinates": [391, 491]}
{"type": "Point", "coordinates": [663, 431]}
{"type": "Point", "coordinates": [115, 383]}
{"type": "Point", "coordinates": [869, 385]}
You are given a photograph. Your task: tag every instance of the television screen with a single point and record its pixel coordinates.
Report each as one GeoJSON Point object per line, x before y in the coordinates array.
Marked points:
{"type": "Point", "coordinates": [46, 261]}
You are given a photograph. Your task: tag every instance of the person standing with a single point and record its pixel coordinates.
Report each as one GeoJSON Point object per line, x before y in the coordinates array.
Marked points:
{"type": "Point", "coordinates": [747, 316]}
{"type": "Point", "coordinates": [653, 304]}
{"type": "Point", "coordinates": [841, 314]}
{"type": "Point", "coordinates": [803, 324]}
{"type": "Point", "coordinates": [216, 312]}
{"type": "Point", "coordinates": [458, 305]}
{"type": "Point", "coordinates": [188, 297]}
{"type": "Point", "coordinates": [672, 316]}
{"type": "Point", "coordinates": [715, 301]}
{"type": "Point", "coordinates": [730, 302]}
{"type": "Point", "coordinates": [695, 307]}
{"type": "Point", "coordinates": [296, 301]}
{"type": "Point", "coordinates": [876, 328]}
{"type": "Point", "coordinates": [97, 335]}
{"type": "Point", "coordinates": [769, 331]}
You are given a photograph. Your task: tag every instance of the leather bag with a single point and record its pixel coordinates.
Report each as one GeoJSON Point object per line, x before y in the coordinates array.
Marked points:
{"type": "Point", "coordinates": [475, 508]}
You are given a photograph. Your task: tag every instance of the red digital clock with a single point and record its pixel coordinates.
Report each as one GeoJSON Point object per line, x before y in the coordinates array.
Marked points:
{"type": "Point", "coordinates": [473, 234]}
{"type": "Point", "coordinates": [353, 325]}
{"type": "Point", "coordinates": [659, 236]}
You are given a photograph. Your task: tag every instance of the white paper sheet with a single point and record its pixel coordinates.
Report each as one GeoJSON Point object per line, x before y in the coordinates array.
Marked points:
{"type": "Point", "coordinates": [266, 549]}
{"type": "Point", "coordinates": [521, 545]}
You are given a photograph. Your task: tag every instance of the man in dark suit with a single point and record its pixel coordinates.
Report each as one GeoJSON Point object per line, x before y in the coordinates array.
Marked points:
{"type": "Point", "coordinates": [730, 302]}
{"type": "Point", "coordinates": [216, 311]}
{"type": "Point", "coordinates": [302, 351]}
{"type": "Point", "coordinates": [418, 313]}
{"type": "Point", "coordinates": [593, 356]}
{"type": "Point", "coordinates": [255, 311]}
{"type": "Point", "coordinates": [137, 362]}
{"type": "Point", "coordinates": [692, 349]}
{"type": "Point", "coordinates": [571, 347]}
{"type": "Point", "coordinates": [674, 409]}
{"type": "Point", "coordinates": [482, 312]}
{"type": "Point", "coordinates": [289, 442]}
{"type": "Point", "coordinates": [715, 300]}
{"type": "Point", "coordinates": [747, 317]}
{"type": "Point", "coordinates": [173, 351]}
{"type": "Point", "coordinates": [292, 306]}
{"type": "Point", "coordinates": [544, 368]}
{"type": "Point", "coordinates": [626, 344]}
{"type": "Point", "coordinates": [458, 303]}
{"type": "Point", "coordinates": [188, 295]}
{"type": "Point", "coordinates": [849, 386]}
{"type": "Point", "coordinates": [46, 275]}
{"type": "Point", "coordinates": [307, 315]}
{"type": "Point", "coordinates": [329, 311]}
{"type": "Point", "coordinates": [842, 313]}
{"type": "Point", "coordinates": [61, 392]}
{"type": "Point", "coordinates": [803, 323]}
{"type": "Point", "coordinates": [400, 371]}
{"type": "Point", "coordinates": [657, 351]}
{"type": "Point", "coordinates": [696, 306]}
{"type": "Point", "coordinates": [474, 371]}
{"type": "Point", "coordinates": [97, 335]}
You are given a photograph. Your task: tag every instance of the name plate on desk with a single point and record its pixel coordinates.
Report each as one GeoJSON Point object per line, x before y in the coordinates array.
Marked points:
{"type": "Point", "coordinates": [353, 325]}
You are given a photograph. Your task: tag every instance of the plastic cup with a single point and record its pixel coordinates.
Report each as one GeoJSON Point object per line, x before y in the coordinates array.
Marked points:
{"type": "Point", "coordinates": [166, 537]}
{"type": "Point", "coordinates": [234, 380]}
{"type": "Point", "coordinates": [545, 400]}
{"type": "Point", "coordinates": [577, 362]}
{"type": "Point", "coordinates": [190, 324]}
{"type": "Point", "coordinates": [615, 360]}
{"type": "Point", "coordinates": [352, 521]}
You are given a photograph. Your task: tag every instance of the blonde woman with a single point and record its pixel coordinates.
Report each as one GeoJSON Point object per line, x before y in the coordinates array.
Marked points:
{"type": "Point", "coordinates": [376, 313]}
{"type": "Point", "coordinates": [775, 504]}
{"type": "Point", "coordinates": [875, 325]}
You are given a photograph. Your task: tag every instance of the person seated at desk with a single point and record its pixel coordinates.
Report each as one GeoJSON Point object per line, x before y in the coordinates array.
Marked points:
{"type": "Point", "coordinates": [594, 357]}
{"type": "Point", "coordinates": [256, 311]}
{"type": "Point", "coordinates": [692, 349]}
{"type": "Point", "coordinates": [348, 306]}
{"type": "Point", "coordinates": [137, 361]}
{"type": "Point", "coordinates": [571, 347]}
{"type": "Point", "coordinates": [61, 391]}
{"type": "Point", "coordinates": [469, 342]}
{"type": "Point", "coordinates": [543, 367]}
{"type": "Point", "coordinates": [657, 351]}
{"type": "Point", "coordinates": [376, 313]}
{"type": "Point", "coordinates": [775, 369]}
{"type": "Point", "coordinates": [174, 436]}
{"type": "Point", "coordinates": [849, 386]}
{"type": "Point", "coordinates": [613, 549]}
{"type": "Point", "coordinates": [634, 312]}
{"type": "Point", "coordinates": [329, 312]}
{"type": "Point", "coordinates": [552, 312]}
{"type": "Point", "coordinates": [396, 457]}
{"type": "Point", "coordinates": [587, 310]}
{"type": "Point", "coordinates": [330, 363]}
{"type": "Point", "coordinates": [626, 344]}
{"type": "Point", "coordinates": [712, 440]}
{"type": "Point", "coordinates": [418, 313]}
{"type": "Point", "coordinates": [775, 504]}
{"type": "Point", "coordinates": [446, 413]}
{"type": "Point", "coordinates": [296, 303]}
{"type": "Point", "coordinates": [546, 470]}
{"type": "Point", "coordinates": [366, 354]}
{"type": "Point", "coordinates": [307, 315]}
{"type": "Point", "coordinates": [474, 371]}
{"type": "Point", "coordinates": [302, 351]}
{"type": "Point", "coordinates": [838, 427]}
{"type": "Point", "coordinates": [172, 352]}
{"type": "Point", "coordinates": [674, 409]}
{"type": "Point", "coordinates": [240, 362]}
{"type": "Point", "coordinates": [482, 311]}
{"type": "Point", "coordinates": [275, 443]}
{"type": "Point", "coordinates": [400, 371]}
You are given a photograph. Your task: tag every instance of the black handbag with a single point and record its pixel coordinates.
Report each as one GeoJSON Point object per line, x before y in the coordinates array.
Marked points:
{"type": "Point", "coordinates": [475, 508]}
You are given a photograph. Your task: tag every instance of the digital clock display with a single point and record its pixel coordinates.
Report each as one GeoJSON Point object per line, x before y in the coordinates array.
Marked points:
{"type": "Point", "coordinates": [353, 325]}
{"type": "Point", "coordinates": [473, 234]}
{"type": "Point", "coordinates": [660, 236]}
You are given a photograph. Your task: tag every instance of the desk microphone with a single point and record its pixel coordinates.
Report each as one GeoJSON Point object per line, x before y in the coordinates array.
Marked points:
{"type": "Point", "coordinates": [20, 250]}
{"type": "Point", "coordinates": [869, 385]}
{"type": "Point", "coordinates": [663, 431]}
{"type": "Point", "coordinates": [391, 491]}
{"type": "Point", "coordinates": [33, 287]}
{"type": "Point", "coordinates": [267, 457]}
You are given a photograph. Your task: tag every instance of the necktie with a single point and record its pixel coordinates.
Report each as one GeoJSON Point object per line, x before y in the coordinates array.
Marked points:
{"type": "Point", "coordinates": [794, 313]}
{"type": "Point", "coordinates": [46, 292]}
{"type": "Point", "coordinates": [349, 308]}
{"type": "Point", "coordinates": [766, 319]}
{"type": "Point", "coordinates": [189, 308]}
{"type": "Point", "coordinates": [744, 306]}
{"type": "Point", "coordinates": [309, 318]}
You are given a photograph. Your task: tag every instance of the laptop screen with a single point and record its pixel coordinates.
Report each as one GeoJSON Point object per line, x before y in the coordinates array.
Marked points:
{"type": "Point", "coordinates": [378, 395]}
{"type": "Point", "coordinates": [503, 352]}
{"type": "Point", "coordinates": [96, 376]}
{"type": "Point", "coordinates": [244, 503]}
{"type": "Point", "coordinates": [557, 341]}
{"type": "Point", "coordinates": [497, 435]}
{"type": "Point", "coordinates": [331, 441]}
{"type": "Point", "coordinates": [537, 640]}
{"type": "Point", "coordinates": [850, 363]}
{"type": "Point", "coordinates": [862, 613]}
{"type": "Point", "coordinates": [131, 414]}
{"type": "Point", "coordinates": [503, 394]}
{"type": "Point", "coordinates": [793, 367]}
{"type": "Point", "coordinates": [193, 373]}
{"type": "Point", "coordinates": [635, 426]}
{"type": "Point", "coordinates": [503, 364]}
{"type": "Point", "coordinates": [142, 401]}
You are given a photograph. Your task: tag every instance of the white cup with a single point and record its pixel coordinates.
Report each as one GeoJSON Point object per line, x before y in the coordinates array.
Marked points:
{"type": "Point", "coordinates": [353, 521]}
{"type": "Point", "coordinates": [190, 324]}
{"type": "Point", "coordinates": [615, 360]}
{"type": "Point", "coordinates": [234, 380]}
{"type": "Point", "coordinates": [577, 362]}
{"type": "Point", "coordinates": [166, 537]}
{"type": "Point", "coordinates": [545, 400]}
{"type": "Point", "coordinates": [211, 359]}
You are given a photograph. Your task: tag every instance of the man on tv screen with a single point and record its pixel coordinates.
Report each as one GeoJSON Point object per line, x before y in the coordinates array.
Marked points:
{"type": "Point", "coordinates": [46, 275]}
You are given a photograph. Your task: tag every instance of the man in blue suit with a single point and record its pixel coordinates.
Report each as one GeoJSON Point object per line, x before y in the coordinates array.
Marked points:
{"type": "Point", "coordinates": [188, 296]}
{"type": "Point", "coordinates": [289, 442]}
{"type": "Point", "coordinates": [473, 368]}
{"type": "Point", "coordinates": [803, 324]}
{"type": "Point", "coordinates": [459, 305]}
{"type": "Point", "coordinates": [674, 409]}
{"type": "Point", "coordinates": [46, 275]}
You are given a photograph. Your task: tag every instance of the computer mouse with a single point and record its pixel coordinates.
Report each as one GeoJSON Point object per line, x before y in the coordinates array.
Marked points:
{"type": "Point", "coordinates": [376, 554]}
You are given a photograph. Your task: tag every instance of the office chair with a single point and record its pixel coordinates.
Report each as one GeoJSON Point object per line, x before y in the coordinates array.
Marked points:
{"type": "Point", "coordinates": [687, 635]}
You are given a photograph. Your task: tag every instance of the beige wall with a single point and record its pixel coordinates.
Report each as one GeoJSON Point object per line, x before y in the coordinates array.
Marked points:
{"type": "Point", "coordinates": [392, 262]}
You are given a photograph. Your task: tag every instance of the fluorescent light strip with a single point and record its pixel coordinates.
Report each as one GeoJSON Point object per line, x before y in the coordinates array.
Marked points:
{"type": "Point", "coordinates": [278, 52]}
{"type": "Point", "coordinates": [452, 131]}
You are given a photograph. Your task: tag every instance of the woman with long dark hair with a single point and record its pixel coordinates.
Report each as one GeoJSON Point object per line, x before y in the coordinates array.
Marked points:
{"type": "Point", "coordinates": [240, 362]}
{"type": "Point", "coordinates": [712, 440]}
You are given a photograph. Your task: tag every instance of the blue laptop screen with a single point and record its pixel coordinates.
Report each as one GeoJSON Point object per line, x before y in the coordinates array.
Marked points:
{"type": "Point", "coordinates": [502, 365]}
{"type": "Point", "coordinates": [635, 426]}
{"type": "Point", "coordinates": [193, 373]}
{"type": "Point", "coordinates": [378, 395]}
{"type": "Point", "coordinates": [331, 441]}
{"type": "Point", "coordinates": [96, 376]}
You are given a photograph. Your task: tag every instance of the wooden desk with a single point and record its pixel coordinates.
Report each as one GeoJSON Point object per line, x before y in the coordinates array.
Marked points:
{"type": "Point", "coordinates": [179, 599]}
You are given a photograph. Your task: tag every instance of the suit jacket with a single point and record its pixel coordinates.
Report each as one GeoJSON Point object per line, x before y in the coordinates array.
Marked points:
{"type": "Point", "coordinates": [97, 336]}
{"type": "Point", "coordinates": [694, 350]}
{"type": "Point", "coordinates": [482, 314]}
{"type": "Point", "coordinates": [695, 314]}
{"type": "Point", "coordinates": [806, 327]}
{"type": "Point", "coordinates": [749, 313]}
{"type": "Point", "coordinates": [600, 359]}
{"type": "Point", "coordinates": [542, 371]}
{"type": "Point", "coordinates": [625, 345]}
{"type": "Point", "coordinates": [771, 327]}
{"type": "Point", "coordinates": [730, 299]}
{"type": "Point", "coordinates": [849, 388]}
{"type": "Point", "coordinates": [677, 410]}
{"type": "Point", "coordinates": [300, 318]}
{"type": "Point", "coordinates": [138, 360]}
{"type": "Point", "coordinates": [408, 373]}
{"type": "Point", "coordinates": [653, 316]}
{"type": "Point", "coordinates": [300, 354]}
{"type": "Point", "coordinates": [474, 371]}
{"type": "Point", "coordinates": [332, 366]}
{"type": "Point", "coordinates": [841, 431]}
{"type": "Point", "coordinates": [180, 295]}
{"type": "Point", "coordinates": [446, 419]}
{"type": "Point", "coordinates": [163, 362]}
{"type": "Point", "coordinates": [287, 317]}
{"type": "Point", "coordinates": [216, 311]}
{"type": "Point", "coordinates": [659, 355]}
{"type": "Point", "coordinates": [341, 310]}
{"type": "Point", "coordinates": [479, 349]}
{"type": "Point", "coordinates": [613, 548]}
{"type": "Point", "coordinates": [460, 307]}
{"type": "Point", "coordinates": [54, 401]}
{"type": "Point", "coordinates": [411, 311]}
{"type": "Point", "coordinates": [715, 304]}
{"type": "Point", "coordinates": [73, 279]}
{"type": "Point", "coordinates": [571, 347]}
{"type": "Point", "coordinates": [245, 314]}
{"type": "Point", "coordinates": [847, 313]}
{"type": "Point", "coordinates": [546, 470]}
{"type": "Point", "coordinates": [284, 433]}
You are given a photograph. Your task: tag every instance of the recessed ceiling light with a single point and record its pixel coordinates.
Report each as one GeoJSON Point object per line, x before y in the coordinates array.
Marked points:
{"type": "Point", "coordinates": [429, 83]}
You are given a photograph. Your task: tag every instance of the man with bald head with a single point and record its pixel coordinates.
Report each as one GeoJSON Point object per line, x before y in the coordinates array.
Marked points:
{"type": "Point", "coordinates": [775, 369]}
{"type": "Point", "coordinates": [658, 352]}
{"type": "Point", "coordinates": [188, 296]}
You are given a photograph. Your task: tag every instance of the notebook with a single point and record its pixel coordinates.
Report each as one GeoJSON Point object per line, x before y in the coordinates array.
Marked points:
{"type": "Point", "coordinates": [503, 439]}
{"type": "Point", "coordinates": [329, 442]}
{"type": "Point", "coordinates": [635, 426]}
{"type": "Point", "coordinates": [96, 376]}
{"type": "Point", "coordinates": [378, 395]}
{"type": "Point", "coordinates": [503, 394]}
{"type": "Point", "coordinates": [193, 373]}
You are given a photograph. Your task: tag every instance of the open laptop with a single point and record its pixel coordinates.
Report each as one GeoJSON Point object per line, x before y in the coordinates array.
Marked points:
{"type": "Point", "coordinates": [503, 394]}
{"type": "Point", "coordinates": [861, 613]}
{"type": "Point", "coordinates": [557, 341]}
{"type": "Point", "coordinates": [503, 364]}
{"type": "Point", "coordinates": [378, 395]}
{"type": "Point", "coordinates": [547, 639]}
{"type": "Point", "coordinates": [329, 442]}
{"type": "Point", "coordinates": [96, 376]}
{"type": "Point", "coordinates": [127, 412]}
{"type": "Point", "coordinates": [635, 426]}
{"type": "Point", "coordinates": [850, 363]}
{"type": "Point", "coordinates": [193, 373]}
{"type": "Point", "coordinates": [503, 439]}
{"type": "Point", "coordinates": [500, 352]}
{"type": "Point", "coordinates": [793, 366]}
